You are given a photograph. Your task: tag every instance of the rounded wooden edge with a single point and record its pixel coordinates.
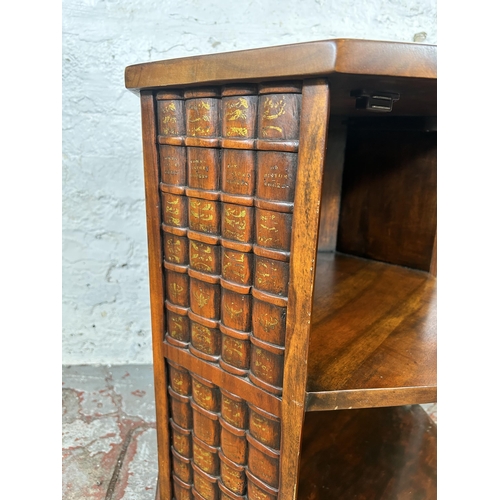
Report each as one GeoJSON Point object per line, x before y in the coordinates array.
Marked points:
{"type": "Point", "coordinates": [178, 231]}
{"type": "Point", "coordinates": [234, 143]}
{"type": "Point", "coordinates": [230, 463]}
{"type": "Point", "coordinates": [305, 60]}
{"type": "Point", "coordinates": [229, 493]}
{"type": "Point", "coordinates": [235, 334]}
{"type": "Point", "coordinates": [196, 495]}
{"type": "Point", "coordinates": [203, 411]}
{"type": "Point", "coordinates": [275, 206]}
{"type": "Point", "coordinates": [211, 239]}
{"type": "Point", "coordinates": [203, 381]}
{"type": "Point", "coordinates": [370, 398]}
{"type": "Point", "coordinates": [237, 90]}
{"type": "Point", "coordinates": [207, 278]}
{"type": "Point", "coordinates": [173, 140]}
{"type": "Point", "coordinates": [178, 268]}
{"type": "Point", "coordinates": [177, 308]}
{"type": "Point", "coordinates": [235, 245]}
{"type": "Point", "coordinates": [203, 142]}
{"type": "Point", "coordinates": [202, 194]}
{"type": "Point", "coordinates": [209, 323]}
{"type": "Point", "coordinates": [261, 484]}
{"type": "Point", "coordinates": [179, 457]}
{"type": "Point", "coordinates": [264, 385]}
{"type": "Point", "coordinates": [269, 253]}
{"type": "Point", "coordinates": [294, 87]}
{"type": "Point", "coordinates": [235, 199]}
{"type": "Point", "coordinates": [270, 298]}
{"type": "Point", "coordinates": [202, 473]}
{"type": "Point", "coordinates": [262, 447]}
{"type": "Point", "coordinates": [169, 188]}
{"type": "Point", "coordinates": [235, 287]}
{"type": "Point", "coordinates": [170, 94]}
{"type": "Point", "coordinates": [177, 367]}
{"type": "Point", "coordinates": [176, 427]}
{"type": "Point", "coordinates": [263, 413]}
{"type": "Point", "coordinates": [212, 358]}
{"type": "Point", "coordinates": [257, 338]}
{"type": "Point", "coordinates": [205, 446]}
{"type": "Point", "coordinates": [232, 396]}
{"type": "Point", "coordinates": [179, 397]}
{"type": "Point", "coordinates": [201, 92]}
{"type": "Point", "coordinates": [232, 369]}
{"type": "Point", "coordinates": [180, 310]}
{"type": "Point", "coordinates": [275, 349]}
{"type": "Point", "coordinates": [221, 419]}
{"type": "Point", "coordinates": [269, 145]}
{"type": "Point", "coordinates": [231, 428]}
{"type": "Point", "coordinates": [176, 343]}
{"type": "Point", "coordinates": [181, 483]}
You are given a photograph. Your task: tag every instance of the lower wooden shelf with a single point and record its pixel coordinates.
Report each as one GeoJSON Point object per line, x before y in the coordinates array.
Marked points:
{"type": "Point", "coordinates": [369, 454]}
{"type": "Point", "coordinates": [373, 335]}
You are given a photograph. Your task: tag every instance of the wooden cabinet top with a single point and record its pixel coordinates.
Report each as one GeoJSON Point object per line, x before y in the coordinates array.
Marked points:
{"type": "Point", "coordinates": [328, 57]}
{"type": "Point", "coordinates": [409, 69]}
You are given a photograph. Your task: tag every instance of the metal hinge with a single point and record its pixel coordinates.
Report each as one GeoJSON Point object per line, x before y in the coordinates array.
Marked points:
{"type": "Point", "coordinates": [374, 101]}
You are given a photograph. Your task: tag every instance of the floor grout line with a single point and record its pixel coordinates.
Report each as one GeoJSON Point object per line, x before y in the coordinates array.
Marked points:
{"type": "Point", "coordinates": [118, 466]}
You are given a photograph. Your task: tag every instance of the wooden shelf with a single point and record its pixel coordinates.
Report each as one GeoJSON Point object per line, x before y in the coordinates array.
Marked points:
{"type": "Point", "coordinates": [373, 454]}
{"type": "Point", "coordinates": [373, 335]}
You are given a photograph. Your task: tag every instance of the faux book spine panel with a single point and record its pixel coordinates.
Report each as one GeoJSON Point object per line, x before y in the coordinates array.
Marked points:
{"type": "Point", "coordinates": [221, 446]}
{"type": "Point", "coordinates": [228, 166]}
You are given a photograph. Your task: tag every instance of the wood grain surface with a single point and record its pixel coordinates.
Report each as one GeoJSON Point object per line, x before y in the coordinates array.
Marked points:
{"type": "Point", "coordinates": [153, 213]}
{"type": "Point", "coordinates": [332, 186]}
{"type": "Point", "coordinates": [305, 229]}
{"type": "Point", "coordinates": [370, 454]}
{"type": "Point", "coordinates": [373, 335]}
{"type": "Point", "coordinates": [363, 57]}
{"type": "Point", "coordinates": [389, 196]}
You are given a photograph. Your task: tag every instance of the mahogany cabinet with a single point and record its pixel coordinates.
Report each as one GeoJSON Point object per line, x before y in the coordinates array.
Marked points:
{"type": "Point", "coordinates": [291, 217]}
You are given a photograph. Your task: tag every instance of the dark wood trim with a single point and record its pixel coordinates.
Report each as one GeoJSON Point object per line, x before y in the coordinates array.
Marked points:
{"type": "Point", "coordinates": [240, 387]}
{"type": "Point", "coordinates": [433, 266]}
{"type": "Point", "coordinates": [311, 59]}
{"type": "Point", "coordinates": [153, 219]}
{"type": "Point", "coordinates": [313, 130]}
{"type": "Point", "coordinates": [370, 398]}
{"type": "Point", "coordinates": [332, 186]}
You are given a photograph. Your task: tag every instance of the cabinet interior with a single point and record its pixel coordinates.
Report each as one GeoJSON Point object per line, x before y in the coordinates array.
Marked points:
{"type": "Point", "coordinates": [373, 335]}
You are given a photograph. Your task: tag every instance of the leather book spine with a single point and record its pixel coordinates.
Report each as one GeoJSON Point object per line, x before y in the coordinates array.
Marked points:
{"type": "Point", "coordinates": [172, 168]}
{"type": "Point", "coordinates": [202, 117]}
{"type": "Point", "coordinates": [171, 117]}
{"type": "Point", "coordinates": [239, 116]}
{"type": "Point", "coordinates": [238, 169]}
{"type": "Point", "coordinates": [275, 188]}
{"type": "Point", "coordinates": [279, 116]}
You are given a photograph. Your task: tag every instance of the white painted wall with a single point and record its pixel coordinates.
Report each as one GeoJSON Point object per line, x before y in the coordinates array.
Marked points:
{"type": "Point", "coordinates": [105, 276]}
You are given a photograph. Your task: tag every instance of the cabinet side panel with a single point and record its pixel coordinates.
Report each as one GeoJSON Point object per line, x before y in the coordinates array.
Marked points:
{"type": "Point", "coordinates": [153, 207]}
{"type": "Point", "coordinates": [313, 130]}
{"type": "Point", "coordinates": [388, 209]}
{"type": "Point", "coordinates": [332, 185]}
